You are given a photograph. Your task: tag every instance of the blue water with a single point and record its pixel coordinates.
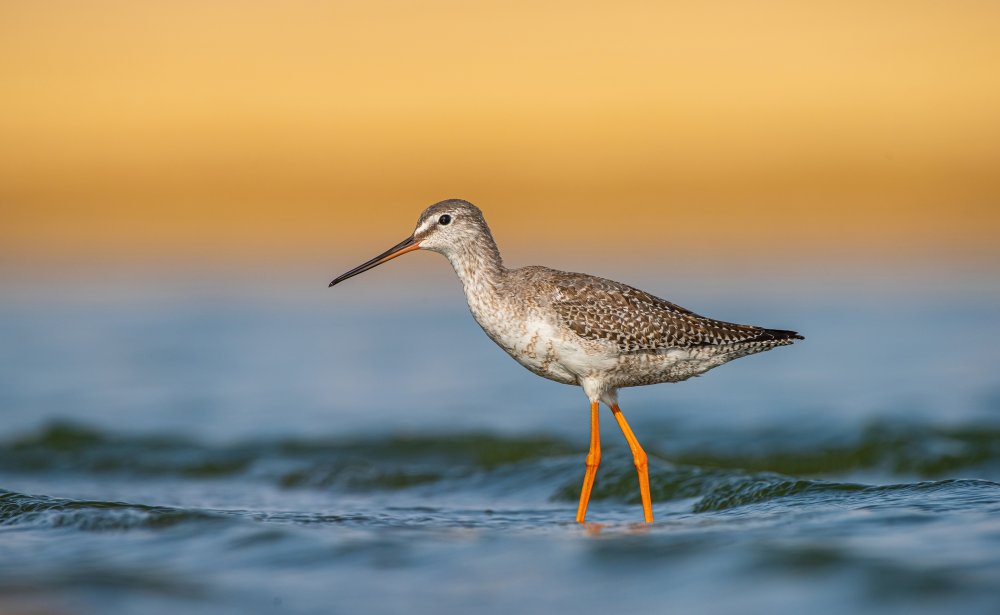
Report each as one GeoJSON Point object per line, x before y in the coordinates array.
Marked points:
{"type": "Point", "coordinates": [211, 452]}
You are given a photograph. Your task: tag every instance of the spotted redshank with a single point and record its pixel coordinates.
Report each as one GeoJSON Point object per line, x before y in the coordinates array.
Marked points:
{"type": "Point", "coordinates": [576, 328]}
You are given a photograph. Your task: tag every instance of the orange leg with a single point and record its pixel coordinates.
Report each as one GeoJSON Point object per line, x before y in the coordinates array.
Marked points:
{"type": "Point", "coordinates": [593, 460]}
{"type": "Point", "coordinates": [641, 463]}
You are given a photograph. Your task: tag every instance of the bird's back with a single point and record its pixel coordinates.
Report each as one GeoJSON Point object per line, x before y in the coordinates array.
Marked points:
{"type": "Point", "coordinates": [635, 320]}
{"type": "Point", "coordinates": [652, 339]}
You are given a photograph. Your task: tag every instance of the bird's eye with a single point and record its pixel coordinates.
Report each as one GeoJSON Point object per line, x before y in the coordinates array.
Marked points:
{"type": "Point", "coordinates": [444, 220]}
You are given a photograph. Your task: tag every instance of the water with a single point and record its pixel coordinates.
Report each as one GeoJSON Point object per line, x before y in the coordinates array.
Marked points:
{"type": "Point", "coordinates": [207, 453]}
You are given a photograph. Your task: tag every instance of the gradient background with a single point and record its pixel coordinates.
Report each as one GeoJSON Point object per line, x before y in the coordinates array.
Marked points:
{"type": "Point", "coordinates": [299, 138]}
{"type": "Point", "coordinates": [192, 422]}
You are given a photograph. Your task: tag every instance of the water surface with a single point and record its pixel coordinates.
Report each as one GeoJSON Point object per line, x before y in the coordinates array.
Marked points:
{"type": "Point", "coordinates": [218, 454]}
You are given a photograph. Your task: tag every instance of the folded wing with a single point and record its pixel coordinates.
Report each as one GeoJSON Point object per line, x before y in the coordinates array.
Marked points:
{"type": "Point", "coordinates": [595, 308]}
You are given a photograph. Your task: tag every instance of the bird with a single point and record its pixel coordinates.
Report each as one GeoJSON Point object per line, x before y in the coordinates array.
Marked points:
{"type": "Point", "coordinates": [578, 329]}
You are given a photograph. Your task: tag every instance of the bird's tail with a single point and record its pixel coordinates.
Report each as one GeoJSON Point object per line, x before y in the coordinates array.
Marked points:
{"type": "Point", "coordinates": [777, 335]}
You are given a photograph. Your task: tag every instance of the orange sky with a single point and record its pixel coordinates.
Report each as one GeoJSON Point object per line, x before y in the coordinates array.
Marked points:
{"type": "Point", "coordinates": [182, 131]}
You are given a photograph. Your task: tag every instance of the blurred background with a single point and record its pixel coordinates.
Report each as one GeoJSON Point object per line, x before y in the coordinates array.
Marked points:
{"type": "Point", "coordinates": [253, 135]}
{"type": "Point", "coordinates": [179, 181]}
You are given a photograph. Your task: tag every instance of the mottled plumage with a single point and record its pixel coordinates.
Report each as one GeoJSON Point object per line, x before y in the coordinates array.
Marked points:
{"type": "Point", "coordinates": [596, 308]}
{"type": "Point", "coordinates": [576, 328]}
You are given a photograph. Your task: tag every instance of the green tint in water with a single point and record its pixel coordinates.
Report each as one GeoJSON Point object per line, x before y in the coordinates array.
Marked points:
{"type": "Point", "coordinates": [906, 450]}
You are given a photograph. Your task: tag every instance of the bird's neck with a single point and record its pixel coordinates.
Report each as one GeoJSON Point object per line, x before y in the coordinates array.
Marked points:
{"type": "Point", "coordinates": [479, 267]}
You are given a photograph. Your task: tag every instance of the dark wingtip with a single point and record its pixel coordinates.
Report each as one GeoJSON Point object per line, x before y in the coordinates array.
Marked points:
{"type": "Point", "coordinates": [782, 334]}
{"type": "Point", "coordinates": [769, 335]}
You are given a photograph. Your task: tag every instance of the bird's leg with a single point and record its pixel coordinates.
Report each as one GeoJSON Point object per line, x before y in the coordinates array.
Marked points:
{"type": "Point", "coordinates": [641, 463]}
{"type": "Point", "coordinates": [593, 460]}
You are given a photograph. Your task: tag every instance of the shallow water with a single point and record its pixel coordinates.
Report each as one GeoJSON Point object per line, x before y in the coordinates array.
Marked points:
{"type": "Point", "coordinates": [213, 454]}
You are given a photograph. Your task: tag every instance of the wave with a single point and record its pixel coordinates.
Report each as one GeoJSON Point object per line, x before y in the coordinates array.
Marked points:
{"type": "Point", "coordinates": [482, 466]}
{"type": "Point", "coordinates": [401, 461]}
{"type": "Point", "coordinates": [908, 450]}
{"type": "Point", "coordinates": [925, 495]}
{"type": "Point", "coordinates": [65, 446]}
{"type": "Point", "coordinates": [747, 494]}
{"type": "Point", "coordinates": [40, 510]}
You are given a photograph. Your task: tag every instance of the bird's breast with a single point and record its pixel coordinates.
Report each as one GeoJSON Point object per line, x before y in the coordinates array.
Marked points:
{"type": "Point", "coordinates": [529, 339]}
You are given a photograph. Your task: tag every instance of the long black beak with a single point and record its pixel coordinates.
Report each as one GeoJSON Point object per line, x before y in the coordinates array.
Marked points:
{"type": "Point", "coordinates": [407, 245]}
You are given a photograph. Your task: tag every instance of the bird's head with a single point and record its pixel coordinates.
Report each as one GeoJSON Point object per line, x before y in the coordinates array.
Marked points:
{"type": "Point", "coordinates": [444, 227]}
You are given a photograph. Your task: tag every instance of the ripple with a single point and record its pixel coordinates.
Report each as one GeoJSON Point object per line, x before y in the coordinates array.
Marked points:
{"type": "Point", "coordinates": [18, 509]}
{"type": "Point", "coordinates": [796, 492]}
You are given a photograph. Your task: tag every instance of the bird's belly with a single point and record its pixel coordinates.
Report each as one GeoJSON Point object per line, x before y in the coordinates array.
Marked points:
{"type": "Point", "coordinates": [564, 357]}
{"type": "Point", "coordinates": [673, 365]}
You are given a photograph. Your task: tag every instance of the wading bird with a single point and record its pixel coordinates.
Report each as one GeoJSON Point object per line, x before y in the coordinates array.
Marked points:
{"type": "Point", "coordinates": [576, 328]}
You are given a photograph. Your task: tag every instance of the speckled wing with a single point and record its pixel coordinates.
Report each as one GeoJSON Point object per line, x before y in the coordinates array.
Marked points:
{"type": "Point", "coordinates": [595, 308]}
